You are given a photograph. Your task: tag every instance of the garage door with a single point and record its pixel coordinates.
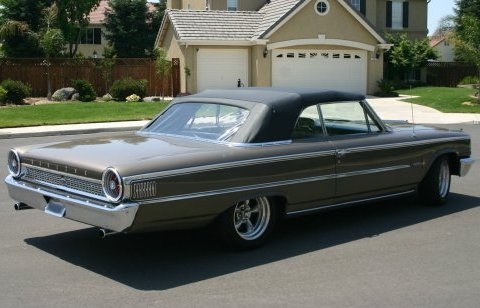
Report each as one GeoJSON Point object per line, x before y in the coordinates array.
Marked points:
{"type": "Point", "coordinates": [221, 69]}
{"type": "Point", "coordinates": [344, 70]}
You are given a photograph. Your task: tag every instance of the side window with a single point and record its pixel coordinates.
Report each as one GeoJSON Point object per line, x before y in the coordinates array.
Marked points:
{"type": "Point", "coordinates": [308, 124]}
{"type": "Point", "coordinates": [345, 118]}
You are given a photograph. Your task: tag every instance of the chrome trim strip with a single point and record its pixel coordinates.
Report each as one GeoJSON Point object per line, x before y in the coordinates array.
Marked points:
{"type": "Point", "coordinates": [408, 192]}
{"type": "Point", "coordinates": [220, 166]}
{"type": "Point", "coordinates": [228, 143]}
{"type": "Point", "coordinates": [270, 185]}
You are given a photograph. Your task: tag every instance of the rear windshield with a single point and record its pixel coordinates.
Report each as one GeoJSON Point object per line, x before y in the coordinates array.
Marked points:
{"type": "Point", "coordinates": [200, 120]}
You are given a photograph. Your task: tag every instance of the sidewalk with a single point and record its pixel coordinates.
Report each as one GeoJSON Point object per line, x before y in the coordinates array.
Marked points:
{"type": "Point", "coordinates": [386, 108]}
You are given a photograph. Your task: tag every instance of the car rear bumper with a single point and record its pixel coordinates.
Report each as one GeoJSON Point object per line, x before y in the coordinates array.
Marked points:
{"type": "Point", "coordinates": [465, 165]}
{"type": "Point", "coordinates": [92, 212]}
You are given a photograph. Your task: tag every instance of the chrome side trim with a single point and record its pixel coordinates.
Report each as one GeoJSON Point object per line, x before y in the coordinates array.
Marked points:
{"type": "Point", "coordinates": [220, 166]}
{"type": "Point", "coordinates": [320, 208]}
{"type": "Point", "coordinates": [216, 192]}
{"type": "Point", "coordinates": [465, 165]}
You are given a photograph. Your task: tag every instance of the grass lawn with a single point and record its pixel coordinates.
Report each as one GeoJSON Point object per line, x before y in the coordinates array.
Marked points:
{"type": "Point", "coordinates": [451, 100]}
{"type": "Point", "coordinates": [71, 113]}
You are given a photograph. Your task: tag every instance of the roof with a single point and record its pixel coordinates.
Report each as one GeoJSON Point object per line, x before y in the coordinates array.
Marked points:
{"type": "Point", "coordinates": [246, 26]}
{"type": "Point", "coordinates": [274, 111]}
{"type": "Point", "coordinates": [435, 40]}
{"type": "Point", "coordinates": [214, 25]}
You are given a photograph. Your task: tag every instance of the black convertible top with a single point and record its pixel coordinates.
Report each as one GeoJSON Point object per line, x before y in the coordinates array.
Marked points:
{"type": "Point", "coordinates": [274, 111]}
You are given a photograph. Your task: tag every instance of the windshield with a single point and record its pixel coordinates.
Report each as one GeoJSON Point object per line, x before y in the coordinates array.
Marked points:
{"type": "Point", "coordinates": [200, 120]}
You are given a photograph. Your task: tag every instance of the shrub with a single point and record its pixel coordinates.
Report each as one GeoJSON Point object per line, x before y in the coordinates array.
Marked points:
{"type": "Point", "coordinates": [16, 91]}
{"type": "Point", "coordinates": [133, 98]}
{"type": "Point", "coordinates": [470, 80]}
{"type": "Point", "coordinates": [128, 86]}
{"type": "Point", "coordinates": [85, 90]}
{"type": "Point", "coordinates": [3, 94]}
{"type": "Point", "coordinates": [386, 89]}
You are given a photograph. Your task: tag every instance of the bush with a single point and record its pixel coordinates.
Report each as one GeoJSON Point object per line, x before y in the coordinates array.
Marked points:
{"type": "Point", "coordinates": [128, 86]}
{"type": "Point", "coordinates": [16, 91]}
{"type": "Point", "coordinates": [3, 95]}
{"type": "Point", "coordinates": [85, 90]}
{"type": "Point", "coordinates": [470, 80]}
{"type": "Point", "coordinates": [386, 89]}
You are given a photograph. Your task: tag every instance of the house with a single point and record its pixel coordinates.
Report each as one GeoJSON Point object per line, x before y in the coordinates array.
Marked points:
{"type": "Point", "coordinates": [444, 47]}
{"type": "Point", "coordinates": [92, 39]}
{"type": "Point", "coordinates": [335, 44]}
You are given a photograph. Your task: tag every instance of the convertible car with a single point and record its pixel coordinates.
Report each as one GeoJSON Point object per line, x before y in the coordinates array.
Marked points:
{"type": "Point", "coordinates": [239, 159]}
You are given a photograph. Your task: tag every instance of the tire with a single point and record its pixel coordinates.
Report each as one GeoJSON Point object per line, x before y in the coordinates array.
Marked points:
{"type": "Point", "coordinates": [435, 187]}
{"type": "Point", "coordinates": [248, 223]}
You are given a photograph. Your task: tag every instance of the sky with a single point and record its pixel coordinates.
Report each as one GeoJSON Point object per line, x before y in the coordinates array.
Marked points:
{"type": "Point", "coordinates": [436, 10]}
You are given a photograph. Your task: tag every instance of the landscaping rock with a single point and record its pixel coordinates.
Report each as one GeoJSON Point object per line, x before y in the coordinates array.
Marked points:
{"type": "Point", "coordinates": [75, 97]}
{"type": "Point", "coordinates": [63, 94]}
{"type": "Point", "coordinates": [152, 99]}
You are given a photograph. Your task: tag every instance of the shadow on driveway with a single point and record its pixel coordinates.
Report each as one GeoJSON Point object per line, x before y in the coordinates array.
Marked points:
{"type": "Point", "coordinates": [159, 261]}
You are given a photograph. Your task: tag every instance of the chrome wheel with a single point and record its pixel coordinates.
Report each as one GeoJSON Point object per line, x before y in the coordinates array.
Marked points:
{"type": "Point", "coordinates": [251, 218]}
{"type": "Point", "coordinates": [248, 223]}
{"type": "Point", "coordinates": [435, 186]}
{"type": "Point", "coordinates": [444, 179]}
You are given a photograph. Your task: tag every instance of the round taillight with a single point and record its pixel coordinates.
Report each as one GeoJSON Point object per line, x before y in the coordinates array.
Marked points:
{"type": "Point", "coordinates": [14, 164]}
{"type": "Point", "coordinates": [112, 185]}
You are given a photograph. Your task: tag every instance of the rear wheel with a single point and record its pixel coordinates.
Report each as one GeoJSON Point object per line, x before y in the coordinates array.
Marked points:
{"type": "Point", "coordinates": [248, 223]}
{"type": "Point", "coordinates": [435, 187]}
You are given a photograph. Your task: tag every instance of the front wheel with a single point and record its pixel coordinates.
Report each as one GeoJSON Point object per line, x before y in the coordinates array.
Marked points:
{"type": "Point", "coordinates": [248, 223]}
{"type": "Point", "coordinates": [435, 187]}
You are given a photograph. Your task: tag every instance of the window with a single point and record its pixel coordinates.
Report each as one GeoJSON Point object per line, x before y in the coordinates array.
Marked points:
{"type": "Point", "coordinates": [345, 118]}
{"type": "Point", "coordinates": [232, 5]}
{"type": "Point", "coordinates": [91, 36]}
{"type": "Point", "coordinates": [322, 7]}
{"type": "Point", "coordinates": [200, 120]}
{"type": "Point", "coordinates": [397, 14]}
{"type": "Point", "coordinates": [308, 125]}
{"type": "Point", "coordinates": [359, 5]}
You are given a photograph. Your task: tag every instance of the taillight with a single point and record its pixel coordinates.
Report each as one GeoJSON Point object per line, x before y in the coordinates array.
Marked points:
{"type": "Point", "coordinates": [112, 185]}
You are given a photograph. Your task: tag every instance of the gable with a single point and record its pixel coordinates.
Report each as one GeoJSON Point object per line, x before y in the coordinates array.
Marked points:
{"type": "Point", "coordinates": [339, 23]}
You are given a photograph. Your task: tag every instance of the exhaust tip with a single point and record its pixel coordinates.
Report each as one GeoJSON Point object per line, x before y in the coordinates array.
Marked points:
{"type": "Point", "coordinates": [21, 206]}
{"type": "Point", "coordinates": [103, 233]}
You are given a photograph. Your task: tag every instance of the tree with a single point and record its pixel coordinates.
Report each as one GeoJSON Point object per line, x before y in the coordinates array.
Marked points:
{"type": "Point", "coordinates": [446, 26]}
{"type": "Point", "coordinates": [467, 32]}
{"type": "Point", "coordinates": [21, 21]}
{"type": "Point", "coordinates": [73, 18]}
{"type": "Point", "coordinates": [162, 66]}
{"type": "Point", "coordinates": [51, 41]}
{"type": "Point", "coordinates": [131, 28]}
{"type": "Point", "coordinates": [407, 56]}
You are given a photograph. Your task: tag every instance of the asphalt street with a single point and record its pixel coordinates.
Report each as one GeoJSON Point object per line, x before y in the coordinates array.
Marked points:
{"type": "Point", "coordinates": [388, 254]}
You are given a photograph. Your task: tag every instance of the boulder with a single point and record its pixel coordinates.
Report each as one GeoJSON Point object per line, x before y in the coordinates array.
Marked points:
{"type": "Point", "coordinates": [63, 94]}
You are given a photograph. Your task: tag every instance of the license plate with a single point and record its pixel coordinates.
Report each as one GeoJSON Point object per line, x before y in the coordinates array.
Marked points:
{"type": "Point", "coordinates": [55, 208]}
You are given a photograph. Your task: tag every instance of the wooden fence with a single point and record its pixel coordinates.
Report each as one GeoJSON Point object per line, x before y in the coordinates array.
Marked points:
{"type": "Point", "coordinates": [62, 71]}
{"type": "Point", "coordinates": [448, 74]}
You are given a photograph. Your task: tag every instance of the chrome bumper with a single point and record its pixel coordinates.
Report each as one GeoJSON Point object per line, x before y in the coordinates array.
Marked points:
{"type": "Point", "coordinates": [88, 211]}
{"type": "Point", "coordinates": [465, 165]}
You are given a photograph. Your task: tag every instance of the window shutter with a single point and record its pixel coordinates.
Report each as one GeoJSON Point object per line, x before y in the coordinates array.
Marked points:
{"type": "Point", "coordinates": [389, 14]}
{"type": "Point", "coordinates": [405, 14]}
{"type": "Point", "coordinates": [363, 7]}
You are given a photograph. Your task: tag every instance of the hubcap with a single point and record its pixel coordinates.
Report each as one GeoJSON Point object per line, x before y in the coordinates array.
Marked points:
{"type": "Point", "coordinates": [251, 218]}
{"type": "Point", "coordinates": [444, 179]}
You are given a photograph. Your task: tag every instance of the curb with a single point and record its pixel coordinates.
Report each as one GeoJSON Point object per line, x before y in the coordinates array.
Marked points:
{"type": "Point", "coordinates": [27, 132]}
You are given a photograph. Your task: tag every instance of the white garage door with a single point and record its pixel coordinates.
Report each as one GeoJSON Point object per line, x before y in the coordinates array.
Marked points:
{"type": "Point", "coordinates": [221, 69]}
{"type": "Point", "coordinates": [344, 70]}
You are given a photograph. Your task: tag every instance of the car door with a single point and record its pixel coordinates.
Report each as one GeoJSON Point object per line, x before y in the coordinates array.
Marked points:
{"type": "Point", "coordinates": [370, 160]}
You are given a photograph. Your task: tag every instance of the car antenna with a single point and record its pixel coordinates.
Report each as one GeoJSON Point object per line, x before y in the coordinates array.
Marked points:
{"type": "Point", "coordinates": [411, 108]}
